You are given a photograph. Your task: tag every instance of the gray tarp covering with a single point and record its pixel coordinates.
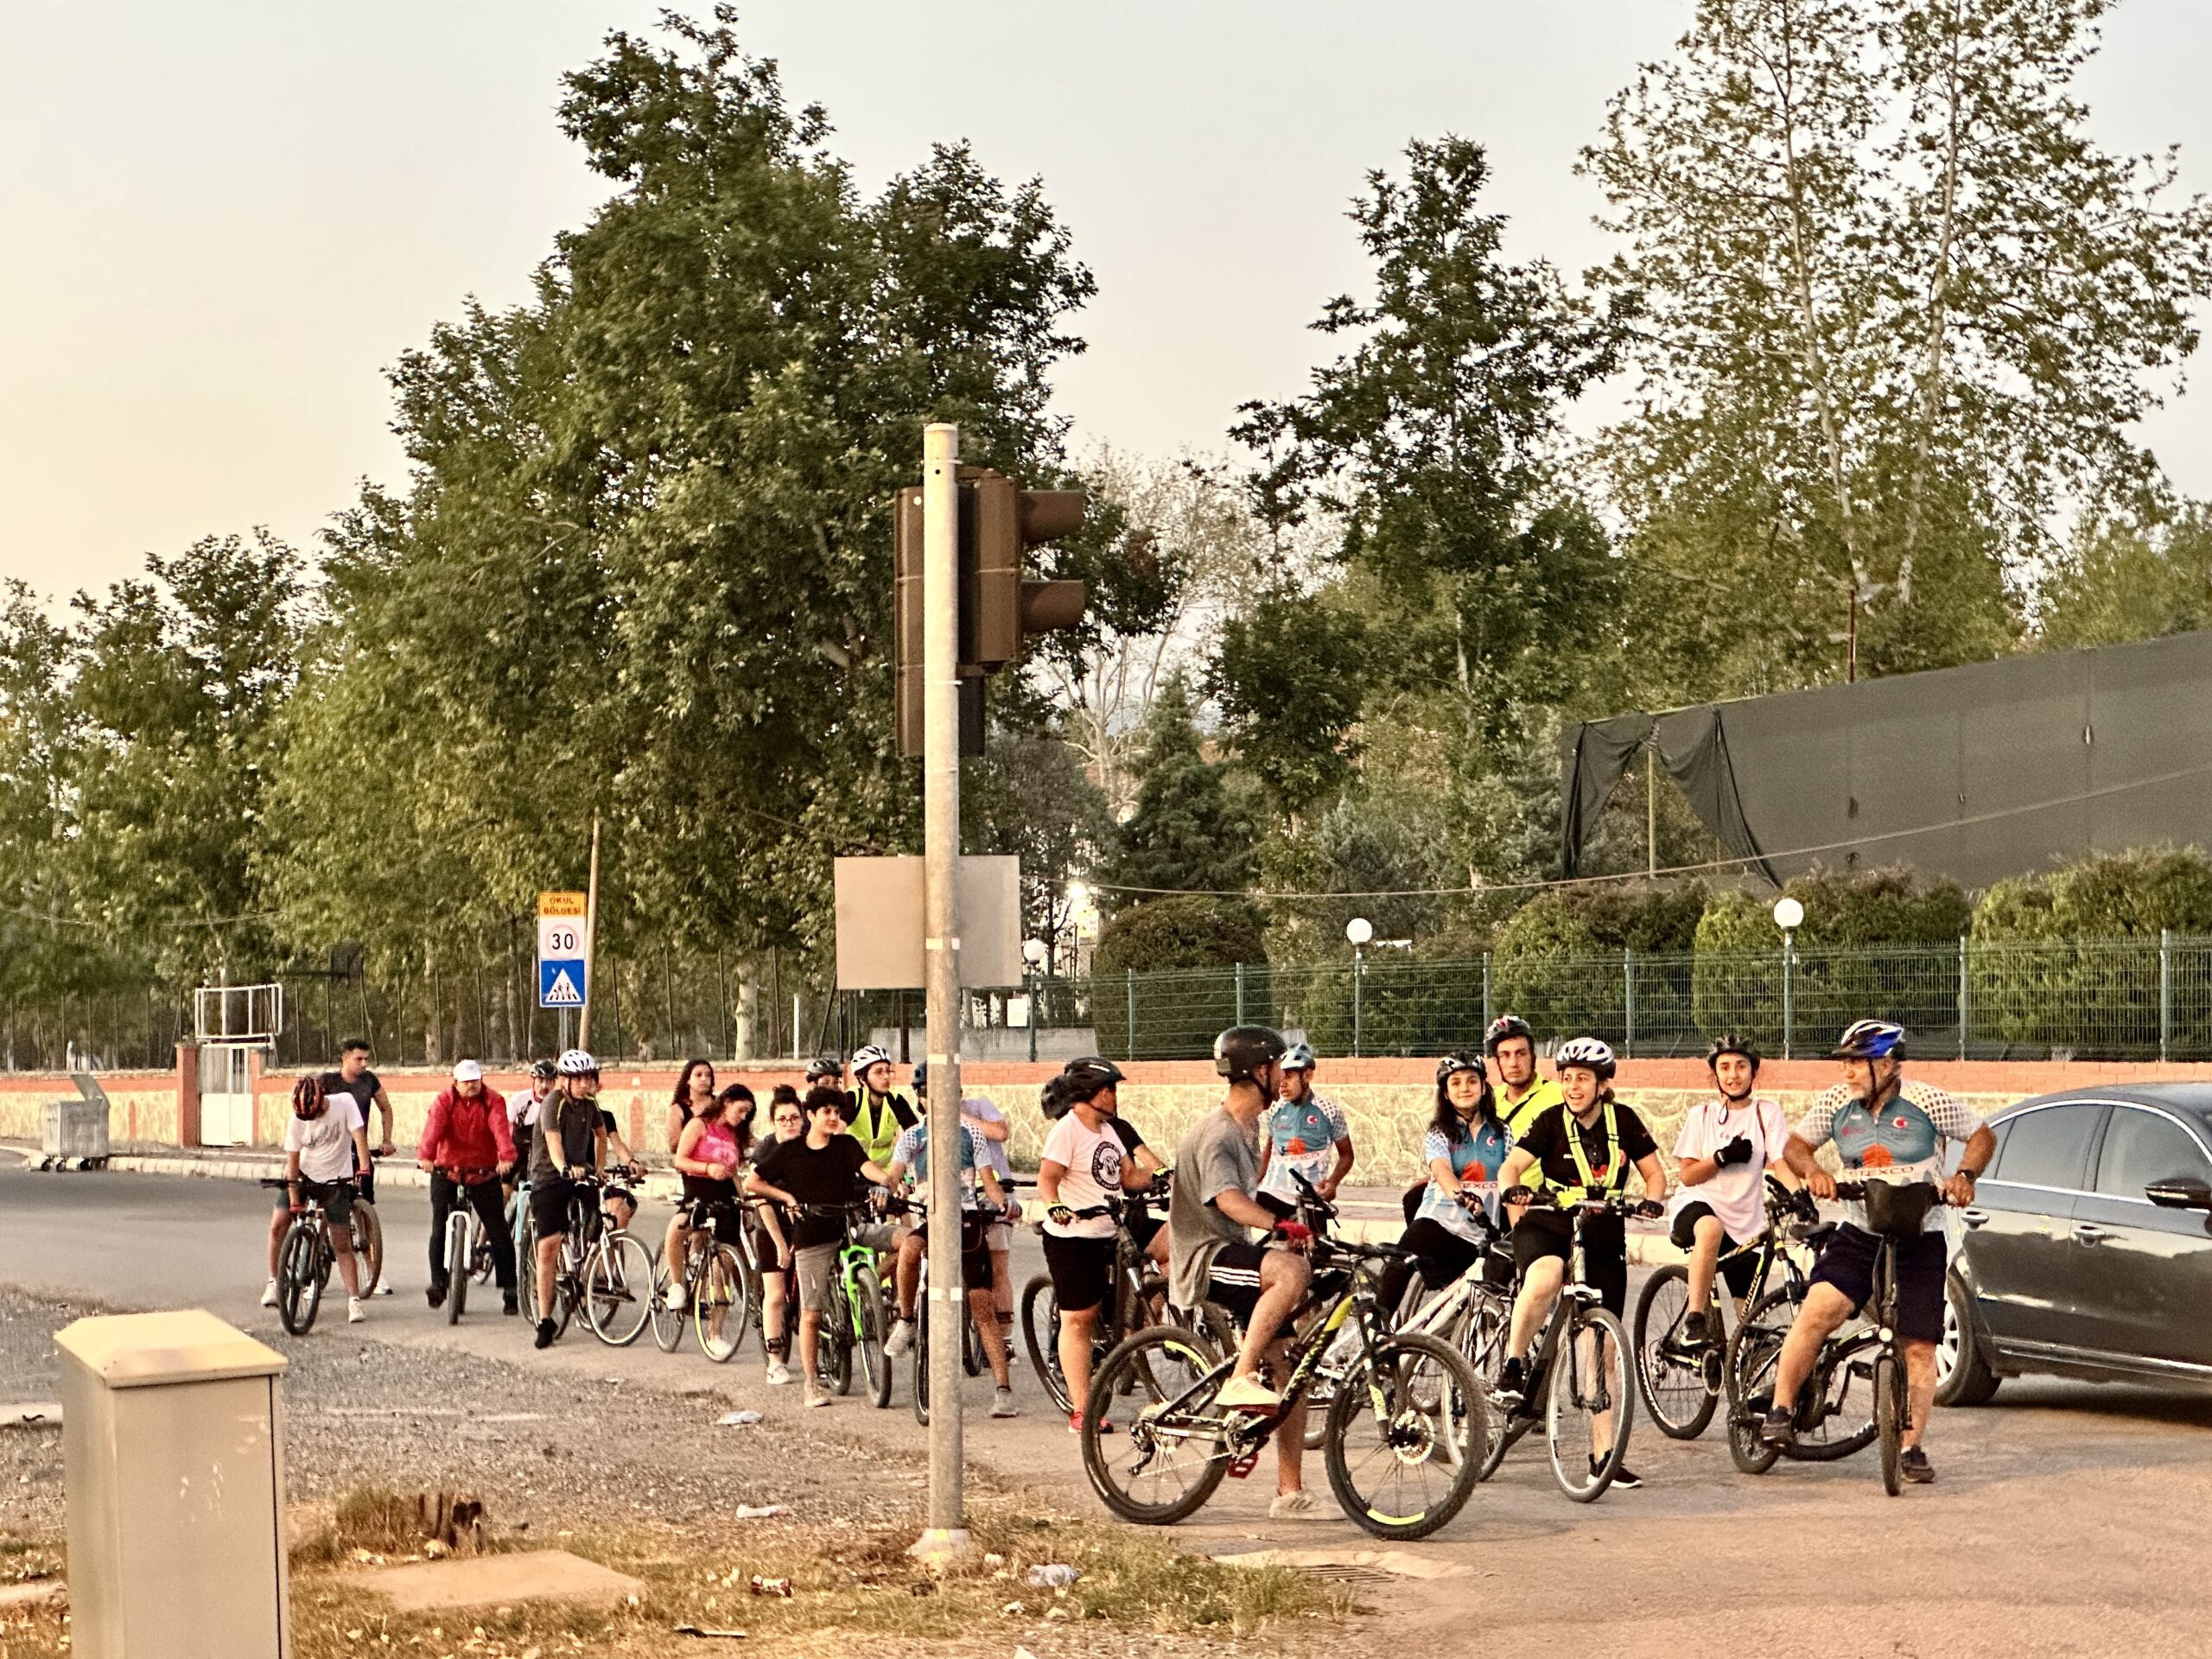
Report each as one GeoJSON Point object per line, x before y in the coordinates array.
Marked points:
{"type": "Point", "coordinates": [1976, 772]}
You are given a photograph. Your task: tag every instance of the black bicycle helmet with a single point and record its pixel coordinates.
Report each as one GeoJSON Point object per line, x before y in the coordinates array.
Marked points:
{"type": "Point", "coordinates": [1452, 1063]}
{"type": "Point", "coordinates": [1087, 1075]}
{"type": "Point", "coordinates": [542, 1072]}
{"type": "Point", "coordinates": [823, 1070]}
{"type": "Point", "coordinates": [1505, 1025]}
{"type": "Point", "coordinates": [1055, 1098]}
{"type": "Point", "coordinates": [1729, 1043]}
{"type": "Point", "coordinates": [1240, 1052]}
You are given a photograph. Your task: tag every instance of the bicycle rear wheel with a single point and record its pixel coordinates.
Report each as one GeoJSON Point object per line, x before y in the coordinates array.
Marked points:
{"type": "Point", "coordinates": [835, 1349]}
{"type": "Point", "coordinates": [368, 1244]}
{"type": "Point", "coordinates": [1672, 1375]}
{"type": "Point", "coordinates": [875, 1363]}
{"type": "Point", "coordinates": [1591, 1399]}
{"type": "Point", "coordinates": [1040, 1333]}
{"type": "Point", "coordinates": [618, 1289]}
{"type": "Point", "coordinates": [1480, 1334]}
{"type": "Point", "coordinates": [299, 1278]}
{"type": "Point", "coordinates": [1890, 1409]}
{"type": "Point", "coordinates": [667, 1317]}
{"type": "Point", "coordinates": [720, 1305]}
{"type": "Point", "coordinates": [457, 1264]}
{"type": "Point", "coordinates": [922, 1365]}
{"type": "Point", "coordinates": [1173, 1452]}
{"type": "Point", "coordinates": [1754, 1352]}
{"type": "Point", "coordinates": [1405, 1436]}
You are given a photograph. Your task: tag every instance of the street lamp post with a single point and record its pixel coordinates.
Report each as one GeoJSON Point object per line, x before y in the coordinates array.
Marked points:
{"type": "Point", "coordinates": [1032, 954]}
{"type": "Point", "coordinates": [1788, 914]}
{"type": "Point", "coordinates": [1359, 930]}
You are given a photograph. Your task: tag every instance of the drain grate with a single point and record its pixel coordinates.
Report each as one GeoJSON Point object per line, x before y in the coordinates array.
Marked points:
{"type": "Point", "coordinates": [1356, 1578]}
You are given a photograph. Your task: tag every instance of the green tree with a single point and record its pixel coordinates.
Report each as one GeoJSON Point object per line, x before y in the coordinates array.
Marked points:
{"type": "Point", "coordinates": [41, 949]}
{"type": "Point", "coordinates": [1188, 833]}
{"type": "Point", "coordinates": [2134, 579]}
{"type": "Point", "coordinates": [1288, 674]}
{"type": "Point", "coordinates": [1027, 796]}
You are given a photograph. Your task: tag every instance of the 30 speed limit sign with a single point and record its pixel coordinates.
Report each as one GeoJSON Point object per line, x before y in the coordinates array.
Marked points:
{"type": "Point", "coordinates": [561, 971]}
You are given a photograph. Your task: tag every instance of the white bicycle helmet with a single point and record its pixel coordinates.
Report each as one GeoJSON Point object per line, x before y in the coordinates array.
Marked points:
{"type": "Point", "coordinates": [575, 1063]}
{"type": "Point", "coordinates": [869, 1055]}
{"type": "Point", "coordinates": [1299, 1056]}
{"type": "Point", "coordinates": [1587, 1053]}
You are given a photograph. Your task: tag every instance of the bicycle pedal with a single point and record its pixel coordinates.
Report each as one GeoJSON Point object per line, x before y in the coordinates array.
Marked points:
{"type": "Point", "coordinates": [1244, 1462]}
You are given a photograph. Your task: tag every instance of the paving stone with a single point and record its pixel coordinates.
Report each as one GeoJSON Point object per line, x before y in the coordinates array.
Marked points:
{"type": "Point", "coordinates": [483, 1580]}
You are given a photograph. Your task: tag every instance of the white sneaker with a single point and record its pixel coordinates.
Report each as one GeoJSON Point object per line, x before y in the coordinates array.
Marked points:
{"type": "Point", "coordinates": [902, 1339]}
{"type": "Point", "coordinates": [779, 1375]}
{"type": "Point", "coordinates": [1003, 1404]}
{"type": "Point", "coordinates": [384, 1287]}
{"type": "Point", "coordinates": [353, 1314]}
{"type": "Point", "coordinates": [1293, 1506]}
{"type": "Point", "coordinates": [679, 1296]}
{"type": "Point", "coordinates": [268, 1294]}
{"type": "Point", "coordinates": [1247, 1394]}
{"type": "Point", "coordinates": [816, 1395]}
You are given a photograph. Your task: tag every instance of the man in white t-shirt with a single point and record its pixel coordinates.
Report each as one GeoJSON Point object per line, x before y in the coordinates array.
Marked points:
{"type": "Point", "coordinates": [1727, 1147]}
{"type": "Point", "coordinates": [1083, 1160]}
{"type": "Point", "coordinates": [326, 1132]}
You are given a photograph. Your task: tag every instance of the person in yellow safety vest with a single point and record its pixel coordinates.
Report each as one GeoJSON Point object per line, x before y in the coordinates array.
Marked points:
{"type": "Point", "coordinates": [1581, 1149]}
{"type": "Point", "coordinates": [880, 1116]}
{"type": "Point", "coordinates": [1522, 1094]}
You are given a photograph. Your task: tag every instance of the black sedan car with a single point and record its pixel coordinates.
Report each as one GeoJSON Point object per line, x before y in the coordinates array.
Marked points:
{"type": "Point", "coordinates": [2088, 1252]}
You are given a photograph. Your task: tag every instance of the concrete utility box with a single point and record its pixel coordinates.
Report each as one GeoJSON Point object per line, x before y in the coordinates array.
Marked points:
{"type": "Point", "coordinates": [75, 1131]}
{"type": "Point", "coordinates": [172, 1437]}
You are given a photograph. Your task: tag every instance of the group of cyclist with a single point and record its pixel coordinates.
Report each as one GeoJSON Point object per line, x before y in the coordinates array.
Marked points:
{"type": "Point", "coordinates": [1508, 1155]}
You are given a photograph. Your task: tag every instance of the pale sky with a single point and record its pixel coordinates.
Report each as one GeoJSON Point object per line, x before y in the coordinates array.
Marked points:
{"type": "Point", "coordinates": [223, 219]}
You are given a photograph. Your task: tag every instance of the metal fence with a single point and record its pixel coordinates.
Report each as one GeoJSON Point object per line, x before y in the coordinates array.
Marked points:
{"type": "Point", "coordinates": [2106, 999]}
{"type": "Point", "coordinates": [2147, 998]}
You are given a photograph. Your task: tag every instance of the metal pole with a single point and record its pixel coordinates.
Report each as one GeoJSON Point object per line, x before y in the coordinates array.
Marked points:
{"type": "Point", "coordinates": [591, 938]}
{"type": "Point", "coordinates": [1628, 1001]}
{"type": "Point", "coordinates": [1240, 992]}
{"type": "Point", "coordinates": [1789, 990]}
{"type": "Point", "coordinates": [1129, 978]}
{"type": "Point", "coordinates": [947, 1537]}
{"type": "Point", "coordinates": [1358, 987]}
{"type": "Point", "coordinates": [2165, 992]}
{"type": "Point", "coordinates": [1033, 1012]}
{"type": "Point", "coordinates": [1650, 811]}
{"type": "Point", "coordinates": [1966, 1010]}
{"type": "Point", "coordinates": [1486, 1013]}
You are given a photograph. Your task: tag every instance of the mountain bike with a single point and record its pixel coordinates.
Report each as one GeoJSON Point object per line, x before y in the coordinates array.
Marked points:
{"type": "Point", "coordinates": [1474, 1313]}
{"type": "Point", "coordinates": [973, 1359]}
{"type": "Point", "coordinates": [1139, 1296]}
{"type": "Point", "coordinates": [468, 1247]}
{"type": "Point", "coordinates": [1578, 1373]}
{"type": "Point", "coordinates": [1401, 1440]}
{"type": "Point", "coordinates": [304, 1260]}
{"type": "Point", "coordinates": [602, 1270]}
{"type": "Point", "coordinates": [717, 1288]}
{"type": "Point", "coordinates": [856, 1321]}
{"type": "Point", "coordinates": [1684, 1381]}
{"type": "Point", "coordinates": [1835, 1417]}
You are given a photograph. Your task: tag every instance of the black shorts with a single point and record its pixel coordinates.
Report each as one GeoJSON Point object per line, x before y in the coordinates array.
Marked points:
{"type": "Point", "coordinates": [1143, 1226]}
{"type": "Point", "coordinates": [726, 1219]}
{"type": "Point", "coordinates": [1847, 1262]}
{"type": "Point", "coordinates": [1082, 1270]}
{"type": "Point", "coordinates": [337, 1199]}
{"type": "Point", "coordinates": [364, 1180]}
{"type": "Point", "coordinates": [550, 1197]}
{"type": "Point", "coordinates": [1233, 1280]}
{"type": "Point", "coordinates": [975, 1250]}
{"type": "Point", "coordinates": [1444, 1255]}
{"type": "Point", "coordinates": [1739, 1261]}
{"type": "Point", "coordinates": [1544, 1233]}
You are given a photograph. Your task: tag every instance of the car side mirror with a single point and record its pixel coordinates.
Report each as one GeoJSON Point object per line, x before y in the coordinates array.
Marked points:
{"type": "Point", "coordinates": [2183, 1194]}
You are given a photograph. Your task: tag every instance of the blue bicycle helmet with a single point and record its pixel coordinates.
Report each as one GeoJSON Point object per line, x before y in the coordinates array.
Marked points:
{"type": "Point", "coordinates": [1872, 1040]}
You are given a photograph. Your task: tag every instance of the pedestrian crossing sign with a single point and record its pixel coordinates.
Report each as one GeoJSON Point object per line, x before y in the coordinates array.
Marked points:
{"type": "Point", "coordinates": [560, 984]}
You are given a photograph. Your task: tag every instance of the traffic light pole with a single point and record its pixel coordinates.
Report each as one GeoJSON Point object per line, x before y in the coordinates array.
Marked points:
{"type": "Point", "coordinates": [947, 1537]}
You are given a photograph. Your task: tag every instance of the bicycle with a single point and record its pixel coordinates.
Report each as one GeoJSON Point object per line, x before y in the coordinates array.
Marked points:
{"type": "Point", "coordinates": [718, 1289]}
{"type": "Point", "coordinates": [304, 1260]}
{"type": "Point", "coordinates": [855, 1320]}
{"type": "Point", "coordinates": [1683, 1382]}
{"type": "Point", "coordinates": [602, 1269]}
{"type": "Point", "coordinates": [1579, 1370]}
{"type": "Point", "coordinates": [468, 1248]}
{"type": "Point", "coordinates": [1474, 1315]}
{"type": "Point", "coordinates": [1867, 1350]}
{"type": "Point", "coordinates": [973, 1359]}
{"type": "Point", "coordinates": [1138, 1298]}
{"type": "Point", "coordinates": [1411, 1401]}
{"type": "Point", "coordinates": [367, 1229]}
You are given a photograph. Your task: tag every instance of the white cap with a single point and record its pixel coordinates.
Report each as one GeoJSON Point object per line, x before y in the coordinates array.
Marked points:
{"type": "Point", "coordinates": [467, 1072]}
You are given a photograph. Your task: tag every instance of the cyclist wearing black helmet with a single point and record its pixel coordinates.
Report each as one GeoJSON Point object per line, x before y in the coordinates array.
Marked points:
{"type": "Point", "coordinates": [1464, 1148]}
{"type": "Point", "coordinates": [1883, 1133]}
{"type": "Point", "coordinates": [1522, 1094]}
{"type": "Point", "coordinates": [1214, 1259]}
{"type": "Point", "coordinates": [1728, 1147]}
{"type": "Point", "coordinates": [1085, 1158]}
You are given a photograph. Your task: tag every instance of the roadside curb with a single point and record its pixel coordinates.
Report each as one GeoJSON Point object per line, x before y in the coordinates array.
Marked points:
{"type": "Point", "coordinates": [656, 1184]}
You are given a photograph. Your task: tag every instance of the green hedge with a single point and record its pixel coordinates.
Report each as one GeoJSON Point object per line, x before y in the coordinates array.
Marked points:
{"type": "Point", "coordinates": [1559, 956]}
{"type": "Point", "coordinates": [1184, 949]}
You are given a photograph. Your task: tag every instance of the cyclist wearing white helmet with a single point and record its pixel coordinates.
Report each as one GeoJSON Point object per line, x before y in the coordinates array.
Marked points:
{"type": "Point", "coordinates": [567, 1145]}
{"type": "Point", "coordinates": [1304, 1135]}
{"type": "Point", "coordinates": [1582, 1149]}
{"type": "Point", "coordinates": [879, 1115]}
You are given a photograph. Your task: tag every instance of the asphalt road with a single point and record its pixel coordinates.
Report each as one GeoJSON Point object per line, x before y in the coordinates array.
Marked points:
{"type": "Point", "coordinates": [2066, 1519]}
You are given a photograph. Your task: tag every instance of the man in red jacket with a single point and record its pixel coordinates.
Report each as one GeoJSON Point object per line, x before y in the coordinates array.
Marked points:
{"type": "Point", "coordinates": [466, 1146]}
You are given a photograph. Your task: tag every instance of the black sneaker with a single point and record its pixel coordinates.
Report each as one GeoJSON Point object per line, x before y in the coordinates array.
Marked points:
{"type": "Point", "coordinates": [509, 1305]}
{"type": "Point", "coordinates": [1623, 1476]}
{"type": "Point", "coordinates": [1778, 1427]}
{"type": "Point", "coordinates": [546, 1332]}
{"type": "Point", "coordinates": [1694, 1334]}
{"type": "Point", "coordinates": [437, 1295]}
{"type": "Point", "coordinates": [1512, 1379]}
{"type": "Point", "coordinates": [1915, 1467]}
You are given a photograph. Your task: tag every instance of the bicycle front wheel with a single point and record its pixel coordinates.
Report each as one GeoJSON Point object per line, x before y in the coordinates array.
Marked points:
{"type": "Point", "coordinates": [1041, 1334]}
{"type": "Point", "coordinates": [1754, 1353]}
{"type": "Point", "coordinates": [1175, 1449]}
{"type": "Point", "coordinates": [457, 1265]}
{"type": "Point", "coordinates": [1890, 1409]}
{"type": "Point", "coordinates": [1590, 1405]}
{"type": "Point", "coordinates": [618, 1289]}
{"type": "Point", "coordinates": [1405, 1436]}
{"type": "Point", "coordinates": [1672, 1372]}
{"type": "Point", "coordinates": [720, 1304]}
{"type": "Point", "coordinates": [667, 1317]}
{"type": "Point", "coordinates": [834, 1347]}
{"type": "Point", "coordinates": [867, 1313]}
{"type": "Point", "coordinates": [299, 1278]}
{"type": "Point", "coordinates": [368, 1244]}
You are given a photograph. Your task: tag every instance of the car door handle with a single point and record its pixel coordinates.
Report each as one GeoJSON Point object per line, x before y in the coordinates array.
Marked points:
{"type": "Point", "coordinates": [1975, 1217]}
{"type": "Point", "coordinates": [2085, 1234]}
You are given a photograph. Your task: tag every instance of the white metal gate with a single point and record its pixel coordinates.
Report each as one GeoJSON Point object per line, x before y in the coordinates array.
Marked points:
{"type": "Point", "coordinates": [226, 1094]}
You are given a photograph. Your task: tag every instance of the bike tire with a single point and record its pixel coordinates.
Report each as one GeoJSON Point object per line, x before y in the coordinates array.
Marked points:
{"type": "Point", "coordinates": [1680, 1401]}
{"type": "Point", "coordinates": [1754, 1350]}
{"type": "Point", "coordinates": [1570, 1393]}
{"type": "Point", "coordinates": [618, 1289]}
{"type": "Point", "coordinates": [368, 1244]}
{"type": "Point", "coordinates": [457, 1253]}
{"type": "Point", "coordinates": [720, 1309]}
{"type": "Point", "coordinates": [875, 1363]}
{"type": "Point", "coordinates": [973, 1360]}
{"type": "Point", "coordinates": [1041, 1334]}
{"type": "Point", "coordinates": [834, 1347]}
{"type": "Point", "coordinates": [921, 1391]}
{"type": "Point", "coordinates": [667, 1317]}
{"type": "Point", "coordinates": [1862, 1433]}
{"type": "Point", "coordinates": [1890, 1409]}
{"type": "Point", "coordinates": [1447, 1435]}
{"type": "Point", "coordinates": [299, 1279]}
{"type": "Point", "coordinates": [1152, 1362]}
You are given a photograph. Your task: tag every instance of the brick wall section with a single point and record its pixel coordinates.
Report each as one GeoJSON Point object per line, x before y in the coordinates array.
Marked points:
{"type": "Point", "coordinates": [1388, 1100]}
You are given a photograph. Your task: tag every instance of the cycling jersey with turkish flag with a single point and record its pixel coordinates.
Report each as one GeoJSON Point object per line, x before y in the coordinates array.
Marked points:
{"type": "Point", "coordinates": [1301, 1136]}
{"type": "Point", "coordinates": [1904, 1141]}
